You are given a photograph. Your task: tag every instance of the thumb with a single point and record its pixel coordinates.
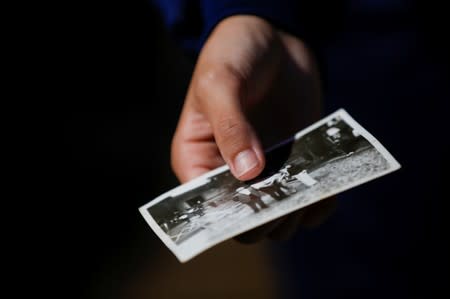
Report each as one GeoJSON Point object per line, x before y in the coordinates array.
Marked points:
{"type": "Point", "coordinates": [219, 94]}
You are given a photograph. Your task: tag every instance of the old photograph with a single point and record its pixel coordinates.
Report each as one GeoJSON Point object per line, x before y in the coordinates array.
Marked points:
{"type": "Point", "coordinates": [328, 157]}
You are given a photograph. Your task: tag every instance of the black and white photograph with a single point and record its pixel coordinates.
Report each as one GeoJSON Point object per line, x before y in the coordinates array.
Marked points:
{"type": "Point", "coordinates": [330, 156]}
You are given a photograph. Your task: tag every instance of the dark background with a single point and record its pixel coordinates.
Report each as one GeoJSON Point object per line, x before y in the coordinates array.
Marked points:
{"type": "Point", "coordinates": [105, 90]}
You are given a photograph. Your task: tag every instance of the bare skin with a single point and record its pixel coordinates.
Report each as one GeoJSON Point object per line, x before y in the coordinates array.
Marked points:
{"type": "Point", "coordinates": [252, 86]}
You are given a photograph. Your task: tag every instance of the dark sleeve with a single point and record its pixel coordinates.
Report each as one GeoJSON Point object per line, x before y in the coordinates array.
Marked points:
{"type": "Point", "coordinates": [191, 21]}
{"type": "Point", "coordinates": [281, 13]}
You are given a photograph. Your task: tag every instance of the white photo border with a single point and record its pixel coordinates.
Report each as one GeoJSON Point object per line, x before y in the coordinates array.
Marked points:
{"type": "Point", "coordinates": [185, 252]}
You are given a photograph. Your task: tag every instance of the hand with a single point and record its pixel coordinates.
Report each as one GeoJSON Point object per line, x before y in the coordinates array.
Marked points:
{"type": "Point", "coordinates": [252, 86]}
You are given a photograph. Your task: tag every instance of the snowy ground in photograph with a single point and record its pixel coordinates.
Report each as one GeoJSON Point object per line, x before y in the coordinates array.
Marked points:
{"type": "Point", "coordinates": [231, 216]}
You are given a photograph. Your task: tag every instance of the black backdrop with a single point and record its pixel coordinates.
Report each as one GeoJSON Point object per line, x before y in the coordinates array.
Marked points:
{"type": "Point", "coordinates": [104, 91]}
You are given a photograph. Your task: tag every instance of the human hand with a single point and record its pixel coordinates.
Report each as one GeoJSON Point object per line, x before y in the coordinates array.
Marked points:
{"type": "Point", "coordinates": [252, 87]}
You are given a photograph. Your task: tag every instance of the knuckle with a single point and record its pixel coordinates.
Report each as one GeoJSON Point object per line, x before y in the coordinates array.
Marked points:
{"type": "Point", "coordinates": [215, 79]}
{"type": "Point", "coordinates": [231, 135]}
{"type": "Point", "coordinates": [229, 128]}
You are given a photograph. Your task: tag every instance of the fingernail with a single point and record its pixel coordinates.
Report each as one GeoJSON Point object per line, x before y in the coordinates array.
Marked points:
{"type": "Point", "coordinates": [245, 161]}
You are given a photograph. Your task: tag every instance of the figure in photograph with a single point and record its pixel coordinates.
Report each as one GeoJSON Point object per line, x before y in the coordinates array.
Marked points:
{"type": "Point", "coordinates": [276, 186]}
{"type": "Point", "coordinates": [250, 197]}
